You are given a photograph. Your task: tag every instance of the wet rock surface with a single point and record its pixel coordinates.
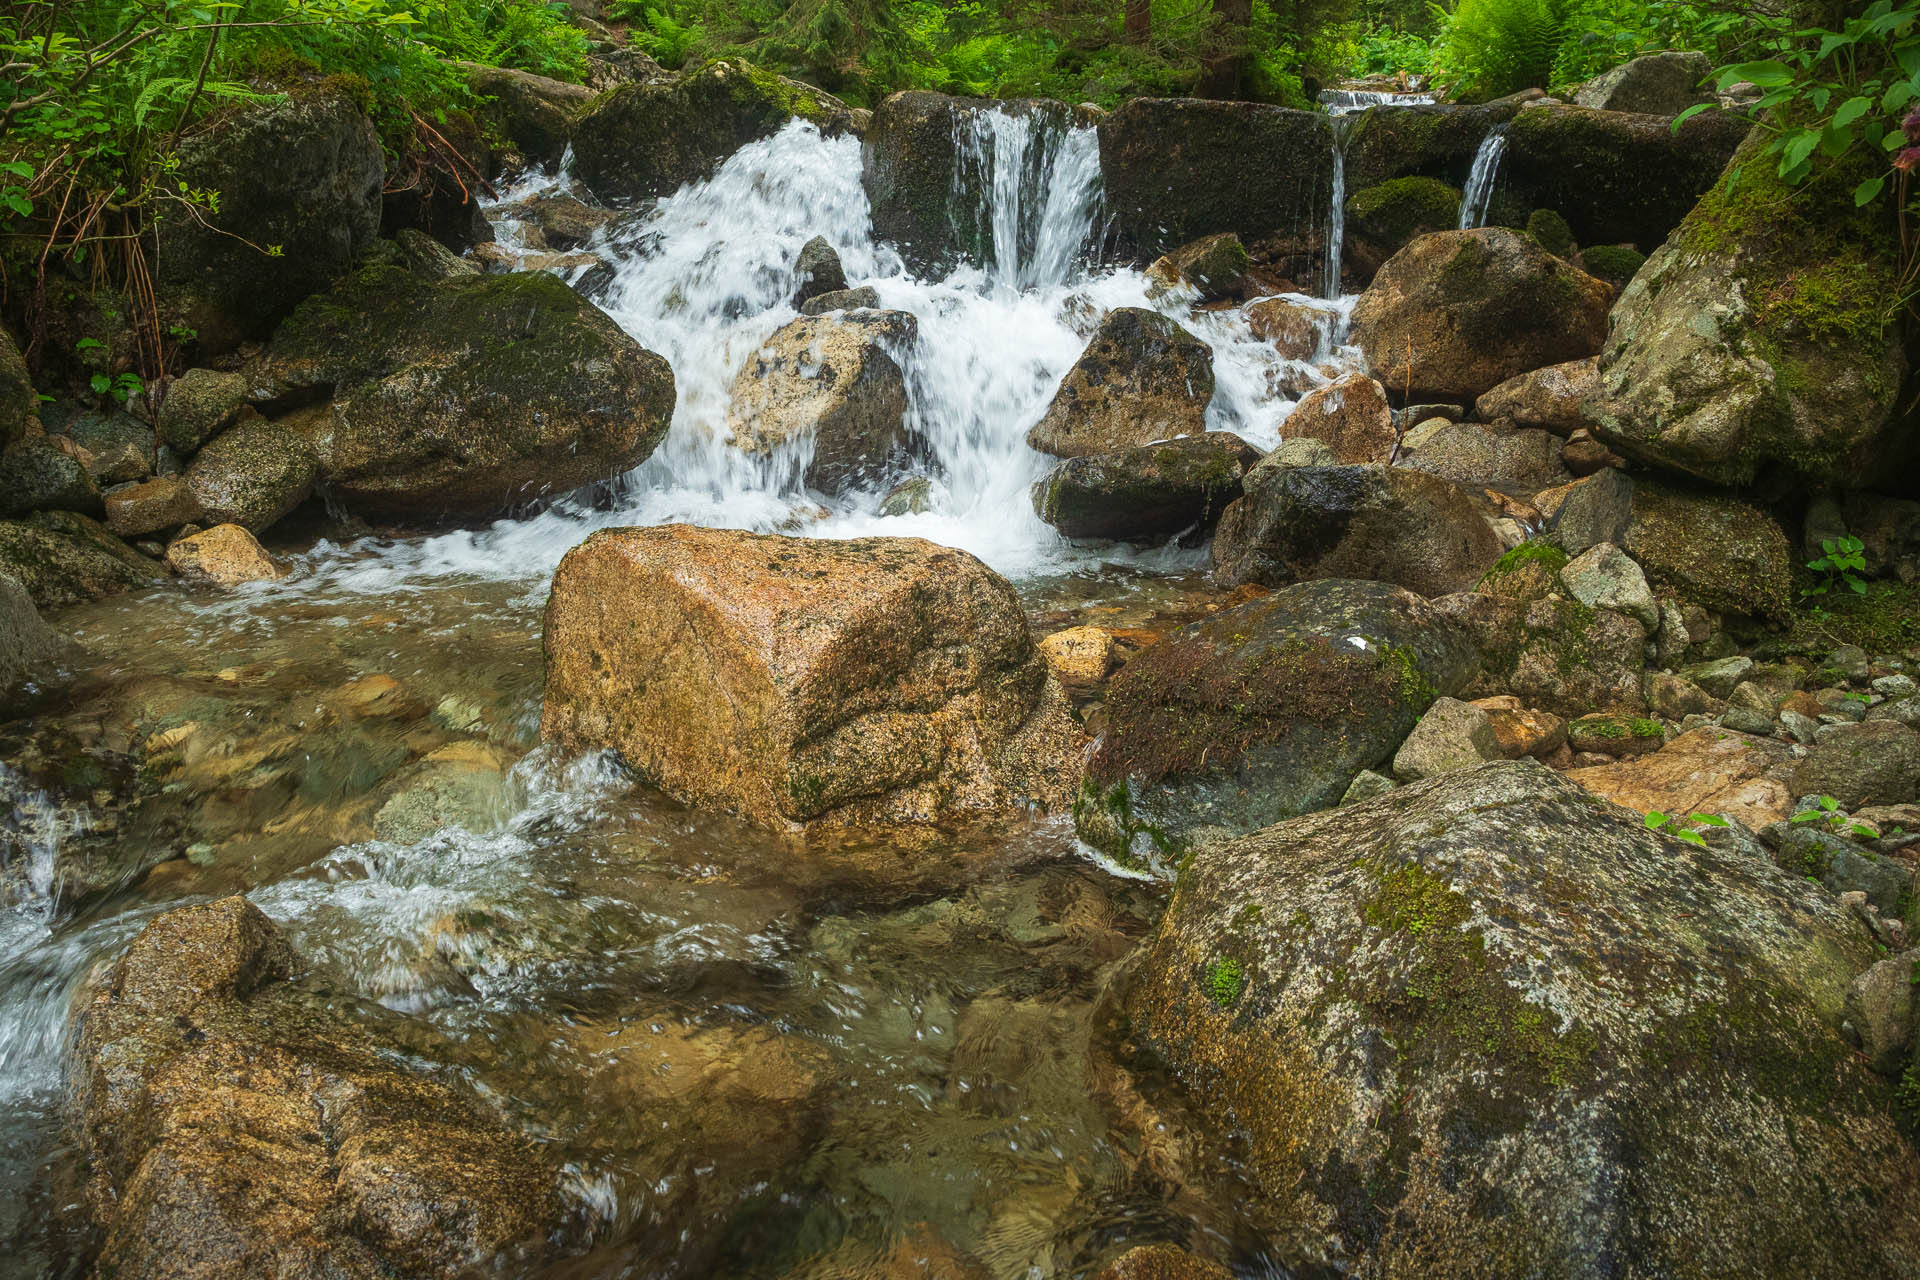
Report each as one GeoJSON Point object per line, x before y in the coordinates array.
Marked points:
{"type": "Point", "coordinates": [1146, 493]}
{"type": "Point", "coordinates": [1142, 378]}
{"type": "Point", "coordinates": [799, 682]}
{"type": "Point", "coordinates": [1386, 1003]}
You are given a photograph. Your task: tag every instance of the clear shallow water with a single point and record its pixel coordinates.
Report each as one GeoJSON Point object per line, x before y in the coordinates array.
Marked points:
{"type": "Point", "coordinates": [891, 1045]}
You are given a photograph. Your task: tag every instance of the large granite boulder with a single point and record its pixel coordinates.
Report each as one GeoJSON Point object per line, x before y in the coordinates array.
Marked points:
{"type": "Point", "coordinates": [63, 558]}
{"type": "Point", "coordinates": [254, 475]}
{"type": "Point", "coordinates": [1177, 169]}
{"type": "Point", "coordinates": [1142, 378]}
{"type": "Point", "coordinates": [925, 184]}
{"type": "Point", "coordinates": [1415, 530]}
{"type": "Point", "coordinates": [458, 398]}
{"type": "Point", "coordinates": [1264, 711]}
{"type": "Point", "coordinates": [642, 140]}
{"type": "Point", "coordinates": [1350, 416]}
{"type": "Point", "coordinates": [1661, 84]}
{"type": "Point", "coordinates": [1486, 1024]}
{"type": "Point", "coordinates": [300, 178]}
{"type": "Point", "coordinates": [830, 384]}
{"type": "Point", "coordinates": [1553, 398]}
{"type": "Point", "coordinates": [1147, 493]}
{"type": "Point", "coordinates": [804, 683]}
{"type": "Point", "coordinates": [534, 113]}
{"type": "Point", "coordinates": [1762, 337]}
{"type": "Point", "coordinates": [37, 475]}
{"type": "Point", "coordinates": [1715, 551]}
{"type": "Point", "coordinates": [1456, 313]}
{"type": "Point", "coordinates": [236, 1124]}
{"type": "Point", "coordinates": [1519, 460]}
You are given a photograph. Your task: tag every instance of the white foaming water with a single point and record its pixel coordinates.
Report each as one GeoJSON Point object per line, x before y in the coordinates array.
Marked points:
{"type": "Point", "coordinates": [1342, 102]}
{"type": "Point", "coordinates": [1480, 179]}
{"type": "Point", "coordinates": [706, 278]}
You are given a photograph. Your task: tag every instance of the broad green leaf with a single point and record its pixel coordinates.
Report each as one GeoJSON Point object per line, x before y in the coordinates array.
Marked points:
{"type": "Point", "coordinates": [1898, 95]}
{"type": "Point", "coordinates": [1869, 191]}
{"type": "Point", "coordinates": [1849, 111]}
{"type": "Point", "coordinates": [1689, 114]}
{"type": "Point", "coordinates": [1820, 96]}
{"type": "Point", "coordinates": [1709, 819]}
{"type": "Point", "coordinates": [1797, 149]}
{"type": "Point", "coordinates": [18, 203]}
{"type": "Point", "coordinates": [1768, 73]}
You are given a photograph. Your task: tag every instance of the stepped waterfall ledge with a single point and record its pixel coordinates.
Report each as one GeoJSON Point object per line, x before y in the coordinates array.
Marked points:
{"type": "Point", "coordinates": [627, 650]}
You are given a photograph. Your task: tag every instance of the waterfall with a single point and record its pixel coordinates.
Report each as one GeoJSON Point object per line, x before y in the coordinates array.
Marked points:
{"type": "Point", "coordinates": [1486, 170]}
{"type": "Point", "coordinates": [1036, 184]}
{"type": "Point", "coordinates": [1340, 102]}
{"type": "Point", "coordinates": [1339, 126]}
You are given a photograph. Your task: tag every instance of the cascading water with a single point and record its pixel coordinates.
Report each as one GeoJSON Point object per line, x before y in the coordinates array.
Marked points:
{"type": "Point", "coordinates": [1340, 102]}
{"type": "Point", "coordinates": [1339, 125]}
{"type": "Point", "coordinates": [1480, 179]}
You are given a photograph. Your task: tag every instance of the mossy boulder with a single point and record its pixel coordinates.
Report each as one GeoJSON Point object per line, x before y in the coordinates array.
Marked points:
{"type": "Point", "coordinates": [17, 399]}
{"type": "Point", "coordinates": [1142, 378]}
{"type": "Point", "coordinates": [1715, 551]}
{"type": "Point", "coordinates": [1764, 337]}
{"type": "Point", "coordinates": [1380, 219]}
{"type": "Point", "coordinates": [1429, 141]}
{"type": "Point", "coordinates": [37, 475]}
{"type": "Point", "coordinates": [299, 184]}
{"type": "Point", "coordinates": [1177, 169]}
{"type": "Point", "coordinates": [1424, 1054]}
{"type": "Point", "coordinates": [64, 558]}
{"type": "Point", "coordinates": [1616, 735]}
{"type": "Point", "coordinates": [1456, 313]}
{"type": "Point", "coordinates": [534, 113]}
{"type": "Point", "coordinates": [236, 1123]}
{"type": "Point", "coordinates": [1391, 524]}
{"type": "Point", "coordinates": [1213, 266]}
{"type": "Point", "coordinates": [1551, 232]}
{"type": "Point", "coordinates": [1617, 264]}
{"type": "Point", "coordinates": [1522, 460]}
{"type": "Point", "coordinates": [1552, 653]}
{"type": "Point", "coordinates": [1661, 84]}
{"type": "Point", "coordinates": [254, 475]}
{"type": "Point", "coordinates": [457, 398]}
{"type": "Point", "coordinates": [1617, 177]}
{"type": "Point", "coordinates": [927, 191]}
{"type": "Point", "coordinates": [1148, 493]}
{"type": "Point", "coordinates": [638, 141]}
{"type": "Point", "coordinates": [199, 405]}
{"type": "Point", "coordinates": [1264, 711]}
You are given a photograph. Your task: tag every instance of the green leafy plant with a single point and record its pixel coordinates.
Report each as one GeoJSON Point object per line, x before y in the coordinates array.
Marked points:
{"type": "Point", "coordinates": [1841, 563]}
{"type": "Point", "coordinates": [1490, 48]}
{"type": "Point", "coordinates": [1684, 827]}
{"type": "Point", "coordinates": [1827, 813]}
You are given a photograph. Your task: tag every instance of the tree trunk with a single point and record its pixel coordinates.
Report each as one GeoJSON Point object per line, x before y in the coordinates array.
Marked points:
{"type": "Point", "coordinates": [1223, 72]}
{"type": "Point", "coordinates": [1139, 21]}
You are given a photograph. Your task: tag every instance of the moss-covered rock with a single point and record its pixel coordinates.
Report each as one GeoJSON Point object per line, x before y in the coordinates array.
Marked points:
{"type": "Point", "coordinates": [1616, 177]}
{"type": "Point", "coordinates": [1615, 263]}
{"type": "Point", "coordinates": [1213, 266]}
{"type": "Point", "coordinates": [643, 140]}
{"type": "Point", "coordinates": [1456, 313]}
{"type": "Point", "coordinates": [299, 186]}
{"type": "Point", "coordinates": [1380, 219]}
{"type": "Point", "coordinates": [458, 398]}
{"type": "Point", "coordinates": [1437, 142]}
{"type": "Point", "coordinates": [1142, 378]}
{"type": "Point", "coordinates": [1552, 233]}
{"type": "Point", "coordinates": [1552, 653]}
{"type": "Point", "coordinates": [36, 475]}
{"type": "Point", "coordinates": [534, 113]}
{"type": "Point", "coordinates": [1718, 552]}
{"type": "Point", "coordinates": [1765, 336]}
{"type": "Point", "coordinates": [17, 399]}
{"type": "Point", "coordinates": [63, 558]}
{"type": "Point", "coordinates": [253, 475]}
{"type": "Point", "coordinates": [1176, 169]}
{"type": "Point", "coordinates": [1414, 530]}
{"type": "Point", "coordinates": [199, 405]}
{"type": "Point", "coordinates": [1264, 711]}
{"type": "Point", "coordinates": [1616, 735]}
{"type": "Point", "coordinates": [1148, 493]}
{"type": "Point", "coordinates": [927, 193]}
{"type": "Point", "coordinates": [237, 1124]}
{"type": "Point", "coordinates": [1428, 1057]}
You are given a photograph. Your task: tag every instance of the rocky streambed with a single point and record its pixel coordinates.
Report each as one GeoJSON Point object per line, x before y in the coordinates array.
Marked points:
{"type": "Point", "coordinates": [1102, 711]}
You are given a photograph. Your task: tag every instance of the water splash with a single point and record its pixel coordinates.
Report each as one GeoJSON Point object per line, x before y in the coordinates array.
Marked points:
{"type": "Point", "coordinates": [1341, 102]}
{"type": "Point", "coordinates": [1480, 180]}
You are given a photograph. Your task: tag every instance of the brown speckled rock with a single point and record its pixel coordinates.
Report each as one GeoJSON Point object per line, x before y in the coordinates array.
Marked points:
{"type": "Point", "coordinates": [225, 555]}
{"type": "Point", "coordinates": [803, 682]}
{"type": "Point", "coordinates": [1143, 378]}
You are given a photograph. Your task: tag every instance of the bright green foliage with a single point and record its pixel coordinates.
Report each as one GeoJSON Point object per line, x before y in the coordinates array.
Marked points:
{"type": "Point", "coordinates": [1225, 980]}
{"type": "Point", "coordinates": [1841, 563]}
{"type": "Point", "coordinates": [1491, 48]}
{"type": "Point", "coordinates": [1487, 48]}
{"type": "Point", "coordinates": [1684, 827]}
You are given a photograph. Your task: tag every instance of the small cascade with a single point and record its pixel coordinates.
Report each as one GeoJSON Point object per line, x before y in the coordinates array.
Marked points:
{"type": "Point", "coordinates": [1026, 195]}
{"type": "Point", "coordinates": [1340, 126]}
{"type": "Point", "coordinates": [33, 826]}
{"type": "Point", "coordinates": [1486, 171]}
{"type": "Point", "coordinates": [1340, 102]}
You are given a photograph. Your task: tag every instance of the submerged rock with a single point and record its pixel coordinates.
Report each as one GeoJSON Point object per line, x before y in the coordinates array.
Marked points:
{"type": "Point", "coordinates": [831, 380]}
{"type": "Point", "coordinates": [865, 297]}
{"type": "Point", "coordinates": [1452, 1022]}
{"type": "Point", "coordinates": [1761, 337]}
{"type": "Point", "coordinates": [300, 176]}
{"type": "Point", "coordinates": [1264, 711]}
{"type": "Point", "coordinates": [1386, 523]}
{"type": "Point", "coordinates": [642, 140]}
{"type": "Point", "coordinates": [817, 271]}
{"type": "Point", "coordinates": [459, 398]}
{"type": "Point", "coordinates": [1141, 379]}
{"type": "Point", "coordinates": [236, 1125]}
{"type": "Point", "coordinates": [1456, 313]}
{"type": "Point", "coordinates": [804, 683]}
{"type": "Point", "coordinates": [1147, 493]}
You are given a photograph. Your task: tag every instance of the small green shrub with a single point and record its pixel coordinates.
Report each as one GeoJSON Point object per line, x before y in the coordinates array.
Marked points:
{"type": "Point", "coordinates": [1841, 565]}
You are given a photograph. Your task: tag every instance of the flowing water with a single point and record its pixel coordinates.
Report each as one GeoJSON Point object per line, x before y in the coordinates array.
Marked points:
{"type": "Point", "coordinates": [1478, 196]}
{"type": "Point", "coordinates": [896, 1044]}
